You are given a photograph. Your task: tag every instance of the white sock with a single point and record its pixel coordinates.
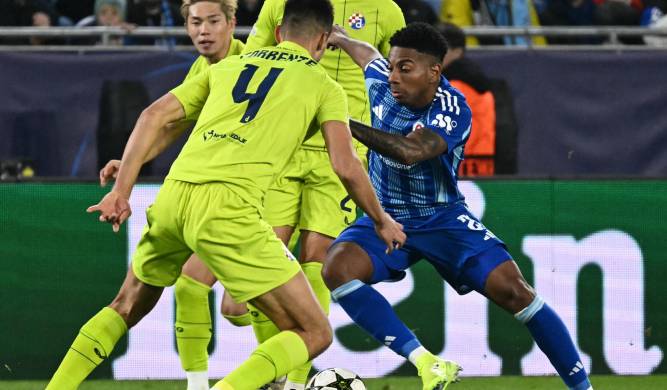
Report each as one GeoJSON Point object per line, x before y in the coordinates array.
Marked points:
{"type": "Point", "coordinates": [293, 386]}
{"type": "Point", "coordinates": [197, 380]}
{"type": "Point", "coordinates": [415, 354]}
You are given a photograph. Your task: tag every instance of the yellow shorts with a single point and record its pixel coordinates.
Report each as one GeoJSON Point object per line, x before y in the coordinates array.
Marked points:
{"type": "Point", "coordinates": [225, 231]}
{"type": "Point", "coordinates": [309, 195]}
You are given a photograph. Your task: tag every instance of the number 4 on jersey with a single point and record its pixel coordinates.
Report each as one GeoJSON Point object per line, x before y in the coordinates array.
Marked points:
{"type": "Point", "coordinates": [255, 100]}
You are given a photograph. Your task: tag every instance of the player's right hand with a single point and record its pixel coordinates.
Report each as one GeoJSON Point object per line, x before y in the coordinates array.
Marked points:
{"type": "Point", "coordinates": [337, 34]}
{"type": "Point", "coordinates": [113, 208]}
{"type": "Point", "coordinates": [391, 232]}
{"type": "Point", "coordinates": [109, 172]}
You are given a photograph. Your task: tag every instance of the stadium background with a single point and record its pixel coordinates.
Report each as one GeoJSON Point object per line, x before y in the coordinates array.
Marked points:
{"type": "Point", "coordinates": [584, 218]}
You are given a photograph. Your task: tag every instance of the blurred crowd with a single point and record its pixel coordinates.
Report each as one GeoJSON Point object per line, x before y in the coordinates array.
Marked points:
{"type": "Point", "coordinates": [127, 14]}
{"type": "Point", "coordinates": [130, 13]}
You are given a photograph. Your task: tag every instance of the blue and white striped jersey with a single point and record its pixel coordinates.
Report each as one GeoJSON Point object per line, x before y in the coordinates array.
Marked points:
{"type": "Point", "coordinates": [417, 190]}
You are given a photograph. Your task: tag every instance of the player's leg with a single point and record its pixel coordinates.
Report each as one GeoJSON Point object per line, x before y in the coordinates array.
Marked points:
{"type": "Point", "coordinates": [239, 314]}
{"type": "Point", "coordinates": [506, 286]}
{"type": "Point", "coordinates": [193, 321]}
{"type": "Point", "coordinates": [304, 334]}
{"type": "Point", "coordinates": [250, 261]}
{"type": "Point", "coordinates": [98, 336]}
{"type": "Point", "coordinates": [326, 209]}
{"type": "Point", "coordinates": [262, 326]}
{"type": "Point", "coordinates": [311, 257]}
{"type": "Point", "coordinates": [282, 204]}
{"type": "Point", "coordinates": [236, 313]}
{"type": "Point", "coordinates": [358, 258]}
{"type": "Point", "coordinates": [156, 263]}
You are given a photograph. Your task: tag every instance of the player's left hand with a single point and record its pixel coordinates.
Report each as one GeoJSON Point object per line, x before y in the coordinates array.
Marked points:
{"type": "Point", "coordinates": [391, 232]}
{"type": "Point", "coordinates": [109, 172]}
{"type": "Point", "coordinates": [113, 208]}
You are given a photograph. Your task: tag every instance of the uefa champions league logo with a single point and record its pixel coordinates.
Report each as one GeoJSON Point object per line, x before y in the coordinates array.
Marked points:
{"type": "Point", "coordinates": [357, 21]}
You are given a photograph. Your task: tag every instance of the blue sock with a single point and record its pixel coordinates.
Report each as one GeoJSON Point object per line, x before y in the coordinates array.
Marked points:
{"type": "Point", "coordinates": [371, 311]}
{"type": "Point", "coordinates": [553, 338]}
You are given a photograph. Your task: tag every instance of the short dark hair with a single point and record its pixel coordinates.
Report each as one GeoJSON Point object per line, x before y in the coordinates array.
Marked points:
{"type": "Point", "coordinates": [308, 16]}
{"type": "Point", "coordinates": [453, 34]}
{"type": "Point", "coordinates": [422, 37]}
{"type": "Point", "coordinates": [228, 7]}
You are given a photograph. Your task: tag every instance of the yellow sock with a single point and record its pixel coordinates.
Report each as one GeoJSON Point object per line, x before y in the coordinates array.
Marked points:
{"type": "Point", "coordinates": [313, 272]}
{"type": "Point", "coordinates": [92, 346]}
{"type": "Point", "coordinates": [273, 358]}
{"type": "Point", "coordinates": [193, 323]}
{"type": "Point", "coordinates": [262, 326]}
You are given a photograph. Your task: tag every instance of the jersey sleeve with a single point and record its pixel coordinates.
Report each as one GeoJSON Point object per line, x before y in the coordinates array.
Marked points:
{"type": "Point", "coordinates": [263, 31]}
{"type": "Point", "coordinates": [376, 74]}
{"type": "Point", "coordinates": [193, 93]}
{"type": "Point", "coordinates": [333, 106]}
{"type": "Point", "coordinates": [393, 22]}
{"type": "Point", "coordinates": [453, 120]}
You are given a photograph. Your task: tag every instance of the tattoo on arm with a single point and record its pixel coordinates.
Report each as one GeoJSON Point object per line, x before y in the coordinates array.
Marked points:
{"type": "Point", "coordinates": [420, 145]}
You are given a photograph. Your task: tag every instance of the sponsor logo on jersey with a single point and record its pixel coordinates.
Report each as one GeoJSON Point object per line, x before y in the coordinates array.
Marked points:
{"type": "Point", "coordinates": [379, 111]}
{"type": "Point", "coordinates": [444, 121]}
{"type": "Point", "coordinates": [357, 21]}
{"type": "Point", "coordinates": [213, 135]}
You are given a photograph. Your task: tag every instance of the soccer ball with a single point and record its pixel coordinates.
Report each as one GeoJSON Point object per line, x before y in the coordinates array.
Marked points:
{"type": "Point", "coordinates": [335, 379]}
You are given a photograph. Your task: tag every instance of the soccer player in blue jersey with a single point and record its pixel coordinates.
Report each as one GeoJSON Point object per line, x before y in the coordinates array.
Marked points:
{"type": "Point", "coordinates": [420, 127]}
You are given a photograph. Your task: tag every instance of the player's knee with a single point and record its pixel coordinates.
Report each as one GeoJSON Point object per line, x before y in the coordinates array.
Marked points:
{"type": "Point", "coordinates": [323, 337]}
{"type": "Point", "coordinates": [233, 309]}
{"type": "Point", "coordinates": [134, 301]}
{"type": "Point", "coordinates": [517, 295]}
{"type": "Point", "coordinates": [337, 270]}
{"type": "Point", "coordinates": [333, 275]}
{"type": "Point", "coordinates": [314, 252]}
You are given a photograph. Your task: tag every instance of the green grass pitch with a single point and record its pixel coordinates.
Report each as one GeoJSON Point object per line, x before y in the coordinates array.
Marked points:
{"type": "Point", "coordinates": [654, 382]}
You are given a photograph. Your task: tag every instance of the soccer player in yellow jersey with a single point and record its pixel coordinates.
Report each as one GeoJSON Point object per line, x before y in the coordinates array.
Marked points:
{"type": "Point", "coordinates": [210, 24]}
{"type": "Point", "coordinates": [308, 195]}
{"type": "Point", "coordinates": [211, 200]}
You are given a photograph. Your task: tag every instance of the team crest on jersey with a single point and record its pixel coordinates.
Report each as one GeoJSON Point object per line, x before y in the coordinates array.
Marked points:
{"type": "Point", "coordinates": [418, 125]}
{"type": "Point", "coordinates": [357, 21]}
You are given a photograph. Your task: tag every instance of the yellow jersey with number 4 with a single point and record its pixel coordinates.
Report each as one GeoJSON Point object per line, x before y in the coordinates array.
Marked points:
{"type": "Point", "coordinates": [253, 111]}
{"type": "Point", "coordinates": [372, 21]}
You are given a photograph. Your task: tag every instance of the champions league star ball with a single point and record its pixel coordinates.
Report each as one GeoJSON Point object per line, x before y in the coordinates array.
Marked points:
{"type": "Point", "coordinates": [335, 379]}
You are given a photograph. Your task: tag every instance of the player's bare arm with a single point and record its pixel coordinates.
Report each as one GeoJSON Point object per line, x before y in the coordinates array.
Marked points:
{"type": "Point", "coordinates": [349, 169]}
{"type": "Point", "coordinates": [114, 208]}
{"type": "Point", "coordinates": [168, 135]}
{"type": "Point", "coordinates": [361, 52]}
{"type": "Point", "coordinates": [420, 145]}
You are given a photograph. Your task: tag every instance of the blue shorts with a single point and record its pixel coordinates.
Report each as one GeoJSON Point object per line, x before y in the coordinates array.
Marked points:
{"type": "Point", "coordinates": [455, 242]}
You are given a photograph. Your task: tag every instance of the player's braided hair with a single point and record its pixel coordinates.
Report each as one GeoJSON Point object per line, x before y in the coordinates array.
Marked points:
{"type": "Point", "coordinates": [422, 37]}
{"type": "Point", "coordinates": [228, 7]}
{"type": "Point", "coordinates": [308, 16]}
